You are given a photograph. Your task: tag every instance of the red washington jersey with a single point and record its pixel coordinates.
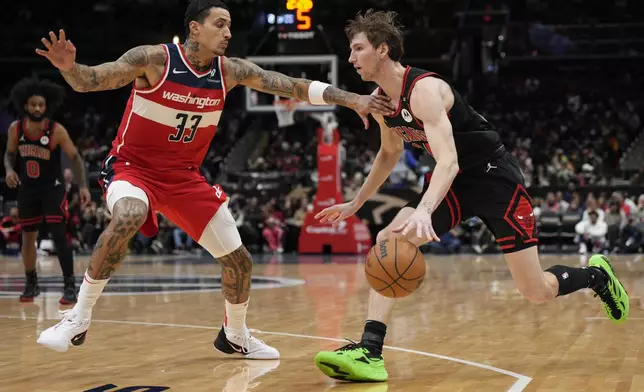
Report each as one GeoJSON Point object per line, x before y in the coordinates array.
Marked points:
{"type": "Point", "coordinates": [170, 125]}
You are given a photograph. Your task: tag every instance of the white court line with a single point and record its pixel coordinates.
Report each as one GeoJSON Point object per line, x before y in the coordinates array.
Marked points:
{"type": "Point", "coordinates": [607, 319]}
{"type": "Point", "coordinates": [518, 386]}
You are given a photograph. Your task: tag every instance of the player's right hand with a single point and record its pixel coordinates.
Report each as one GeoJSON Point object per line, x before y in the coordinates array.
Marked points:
{"type": "Point", "coordinates": [375, 104]}
{"type": "Point", "coordinates": [337, 213]}
{"type": "Point", "coordinates": [60, 52]}
{"type": "Point", "coordinates": [12, 179]}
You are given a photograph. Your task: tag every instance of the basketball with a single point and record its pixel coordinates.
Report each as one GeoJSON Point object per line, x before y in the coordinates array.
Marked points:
{"type": "Point", "coordinates": [395, 268]}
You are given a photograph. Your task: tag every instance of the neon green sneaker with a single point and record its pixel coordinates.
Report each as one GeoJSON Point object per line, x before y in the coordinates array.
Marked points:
{"type": "Point", "coordinates": [612, 293]}
{"type": "Point", "coordinates": [352, 362]}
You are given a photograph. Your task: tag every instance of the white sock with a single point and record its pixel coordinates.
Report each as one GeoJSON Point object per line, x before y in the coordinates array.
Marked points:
{"type": "Point", "coordinates": [89, 292]}
{"type": "Point", "coordinates": [235, 320]}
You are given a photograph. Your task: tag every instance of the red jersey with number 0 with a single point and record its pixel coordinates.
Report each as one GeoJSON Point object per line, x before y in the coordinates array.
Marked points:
{"type": "Point", "coordinates": [171, 124]}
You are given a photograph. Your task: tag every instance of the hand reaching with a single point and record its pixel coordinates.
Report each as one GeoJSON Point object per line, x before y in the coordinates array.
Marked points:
{"type": "Point", "coordinates": [377, 104]}
{"type": "Point", "coordinates": [421, 222]}
{"type": "Point", "coordinates": [337, 213]}
{"type": "Point", "coordinates": [60, 52]}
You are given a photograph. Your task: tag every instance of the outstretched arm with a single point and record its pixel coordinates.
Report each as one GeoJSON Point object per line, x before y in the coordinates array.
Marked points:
{"type": "Point", "coordinates": [115, 74]}
{"type": "Point", "coordinates": [134, 63]}
{"type": "Point", "coordinates": [240, 71]}
{"type": "Point", "coordinates": [391, 149]}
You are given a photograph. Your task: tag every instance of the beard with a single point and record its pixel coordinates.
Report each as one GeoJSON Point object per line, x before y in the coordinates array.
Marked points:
{"type": "Point", "coordinates": [34, 117]}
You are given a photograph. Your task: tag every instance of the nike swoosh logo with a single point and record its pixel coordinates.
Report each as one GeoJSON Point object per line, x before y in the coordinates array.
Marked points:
{"type": "Point", "coordinates": [174, 71]}
{"type": "Point", "coordinates": [79, 337]}
{"type": "Point", "coordinates": [237, 348]}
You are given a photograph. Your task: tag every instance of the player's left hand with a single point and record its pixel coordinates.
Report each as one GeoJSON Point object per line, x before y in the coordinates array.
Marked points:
{"type": "Point", "coordinates": [85, 197]}
{"type": "Point", "coordinates": [377, 104]}
{"type": "Point", "coordinates": [421, 222]}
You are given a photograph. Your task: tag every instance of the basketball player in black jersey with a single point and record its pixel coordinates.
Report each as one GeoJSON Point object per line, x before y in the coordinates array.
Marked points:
{"type": "Point", "coordinates": [474, 176]}
{"type": "Point", "coordinates": [41, 194]}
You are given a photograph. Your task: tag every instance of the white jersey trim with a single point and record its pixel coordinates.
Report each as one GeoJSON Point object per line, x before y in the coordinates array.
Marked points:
{"type": "Point", "coordinates": [220, 62]}
{"type": "Point", "coordinates": [167, 116]}
{"type": "Point", "coordinates": [190, 67]}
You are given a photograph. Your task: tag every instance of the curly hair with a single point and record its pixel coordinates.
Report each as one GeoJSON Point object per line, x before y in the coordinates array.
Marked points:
{"type": "Point", "coordinates": [379, 27]}
{"type": "Point", "coordinates": [29, 87]}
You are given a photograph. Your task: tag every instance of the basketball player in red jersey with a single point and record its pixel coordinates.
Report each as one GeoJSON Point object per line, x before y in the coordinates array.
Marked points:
{"type": "Point", "coordinates": [42, 197]}
{"type": "Point", "coordinates": [170, 119]}
{"type": "Point", "coordinates": [474, 176]}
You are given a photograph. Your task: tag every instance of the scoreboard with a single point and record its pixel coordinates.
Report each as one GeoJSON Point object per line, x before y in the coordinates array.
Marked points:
{"type": "Point", "coordinates": [294, 20]}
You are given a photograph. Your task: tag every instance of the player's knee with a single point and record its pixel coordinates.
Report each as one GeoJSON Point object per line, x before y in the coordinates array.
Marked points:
{"type": "Point", "coordinates": [220, 237]}
{"type": "Point", "coordinates": [128, 216]}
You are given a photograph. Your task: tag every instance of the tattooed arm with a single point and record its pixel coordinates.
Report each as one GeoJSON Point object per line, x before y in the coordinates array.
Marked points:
{"type": "Point", "coordinates": [240, 71]}
{"type": "Point", "coordinates": [116, 74]}
{"type": "Point", "coordinates": [142, 61]}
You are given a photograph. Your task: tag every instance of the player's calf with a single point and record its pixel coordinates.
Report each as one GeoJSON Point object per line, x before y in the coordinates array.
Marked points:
{"type": "Point", "coordinates": [127, 217]}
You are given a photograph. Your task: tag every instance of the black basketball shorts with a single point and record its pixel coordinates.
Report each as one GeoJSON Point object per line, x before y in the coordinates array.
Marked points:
{"type": "Point", "coordinates": [495, 192]}
{"type": "Point", "coordinates": [48, 205]}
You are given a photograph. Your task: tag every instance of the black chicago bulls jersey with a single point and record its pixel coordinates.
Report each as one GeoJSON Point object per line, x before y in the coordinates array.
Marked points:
{"type": "Point", "coordinates": [40, 165]}
{"type": "Point", "coordinates": [475, 139]}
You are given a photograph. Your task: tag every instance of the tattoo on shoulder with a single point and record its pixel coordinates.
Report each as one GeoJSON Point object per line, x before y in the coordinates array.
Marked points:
{"type": "Point", "coordinates": [142, 56]}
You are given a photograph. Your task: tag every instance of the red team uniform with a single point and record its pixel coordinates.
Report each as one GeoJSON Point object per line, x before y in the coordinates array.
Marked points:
{"type": "Point", "coordinates": [163, 138]}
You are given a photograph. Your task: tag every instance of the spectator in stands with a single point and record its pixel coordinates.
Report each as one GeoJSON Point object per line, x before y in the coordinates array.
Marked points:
{"type": "Point", "coordinates": [592, 234]}
{"type": "Point", "coordinates": [273, 234]}
{"type": "Point", "coordinates": [592, 206]}
{"type": "Point", "coordinates": [616, 220]}
{"type": "Point", "coordinates": [10, 233]}
{"type": "Point", "coordinates": [182, 241]}
{"type": "Point", "coordinates": [551, 204]}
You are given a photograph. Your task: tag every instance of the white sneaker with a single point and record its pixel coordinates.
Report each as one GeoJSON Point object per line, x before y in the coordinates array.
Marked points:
{"type": "Point", "coordinates": [72, 329]}
{"type": "Point", "coordinates": [246, 346]}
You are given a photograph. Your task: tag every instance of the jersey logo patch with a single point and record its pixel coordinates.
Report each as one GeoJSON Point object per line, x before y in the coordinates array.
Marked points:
{"type": "Point", "coordinates": [44, 140]}
{"type": "Point", "coordinates": [406, 115]}
{"type": "Point", "coordinates": [174, 71]}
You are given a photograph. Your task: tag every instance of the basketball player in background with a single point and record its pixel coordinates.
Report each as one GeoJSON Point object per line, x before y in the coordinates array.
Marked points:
{"type": "Point", "coordinates": [41, 193]}
{"type": "Point", "coordinates": [176, 102]}
{"type": "Point", "coordinates": [474, 176]}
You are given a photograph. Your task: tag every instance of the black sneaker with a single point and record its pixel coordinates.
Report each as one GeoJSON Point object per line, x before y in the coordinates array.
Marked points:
{"type": "Point", "coordinates": [32, 290]}
{"type": "Point", "coordinates": [69, 292]}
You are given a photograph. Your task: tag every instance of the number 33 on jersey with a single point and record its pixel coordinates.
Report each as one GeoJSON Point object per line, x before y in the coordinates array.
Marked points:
{"type": "Point", "coordinates": [171, 124]}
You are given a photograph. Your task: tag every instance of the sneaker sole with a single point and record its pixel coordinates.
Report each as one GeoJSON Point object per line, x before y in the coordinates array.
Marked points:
{"type": "Point", "coordinates": [602, 261]}
{"type": "Point", "coordinates": [332, 367]}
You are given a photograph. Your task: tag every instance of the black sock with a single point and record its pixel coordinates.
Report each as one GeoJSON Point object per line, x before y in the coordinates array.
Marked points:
{"type": "Point", "coordinates": [32, 276]}
{"type": "Point", "coordinates": [64, 250]}
{"type": "Point", "coordinates": [572, 279]}
{"type": "Point", "coordinates": [373, 336]}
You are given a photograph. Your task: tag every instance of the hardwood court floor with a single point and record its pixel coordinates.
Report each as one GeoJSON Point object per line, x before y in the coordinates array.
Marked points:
{"type": "Point", "coordinates": [466, 329]}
